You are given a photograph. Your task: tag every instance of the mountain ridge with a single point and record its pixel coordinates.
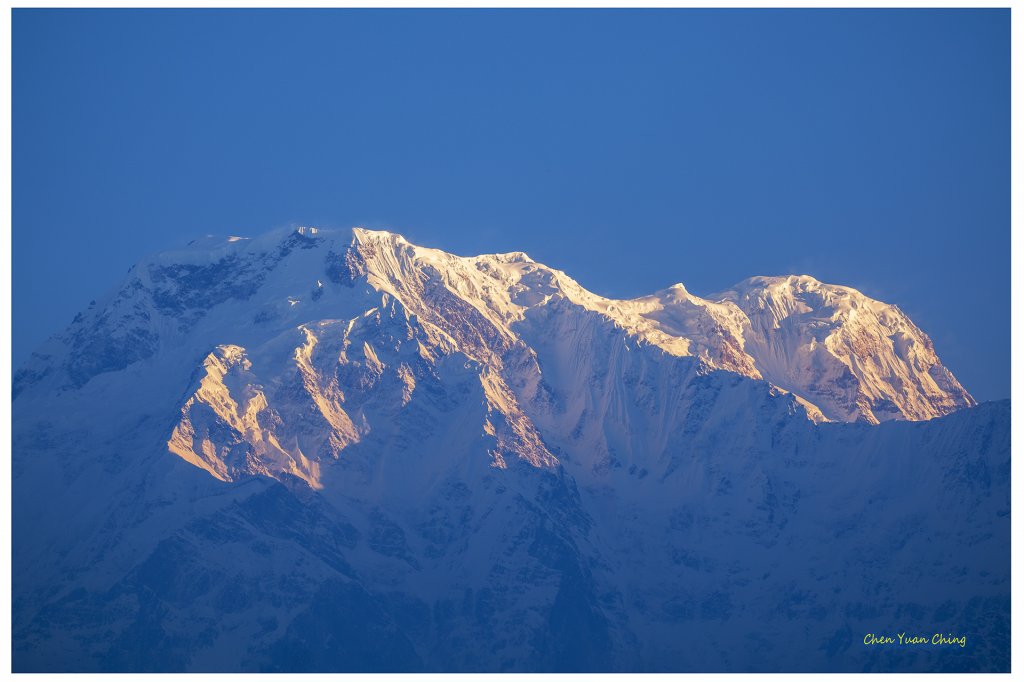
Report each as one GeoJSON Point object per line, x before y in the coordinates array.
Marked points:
{"type": "Point", "coordinates": [908, 383]}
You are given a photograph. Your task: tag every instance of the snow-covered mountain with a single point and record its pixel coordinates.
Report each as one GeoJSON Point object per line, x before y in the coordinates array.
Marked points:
{"type": "Point", "coordinates": [853, 357]}
{"type": "Point", "coordinates": [336, 450]}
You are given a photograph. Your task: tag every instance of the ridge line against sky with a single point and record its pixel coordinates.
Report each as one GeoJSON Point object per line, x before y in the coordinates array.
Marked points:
{"type": "Point", "coordinates": [631, 149]}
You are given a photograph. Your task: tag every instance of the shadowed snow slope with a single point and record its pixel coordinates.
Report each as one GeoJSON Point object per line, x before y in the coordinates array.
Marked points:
{"type": "Point", "coordinates": [340, 451]}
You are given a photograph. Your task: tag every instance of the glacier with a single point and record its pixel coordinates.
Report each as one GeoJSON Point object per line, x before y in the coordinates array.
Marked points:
{"type": "Point", "coordinates": [334, 450]}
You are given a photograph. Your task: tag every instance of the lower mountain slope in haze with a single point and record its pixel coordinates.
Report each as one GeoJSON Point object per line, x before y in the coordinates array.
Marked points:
{"type": "Point", "coordinates": [339, 451]}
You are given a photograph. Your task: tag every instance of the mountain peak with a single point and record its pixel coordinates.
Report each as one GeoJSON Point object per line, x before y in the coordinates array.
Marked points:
{"type": "Point", "coordinates": [854, 357]}
{"type": "Point", "coordinates": [784, 282]}
{"type": "Point", "coordinates": [363, 235]}
{"type": "Point", "coordinates": [509, 257]}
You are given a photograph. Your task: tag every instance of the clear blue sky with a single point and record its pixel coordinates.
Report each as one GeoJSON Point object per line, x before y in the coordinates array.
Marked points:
{"type": "Point", "coordinates": [631, 149]}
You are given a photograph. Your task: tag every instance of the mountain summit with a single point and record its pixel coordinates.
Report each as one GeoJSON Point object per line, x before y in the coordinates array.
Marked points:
{"type": "Point", "coordinates": [337, 450]}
